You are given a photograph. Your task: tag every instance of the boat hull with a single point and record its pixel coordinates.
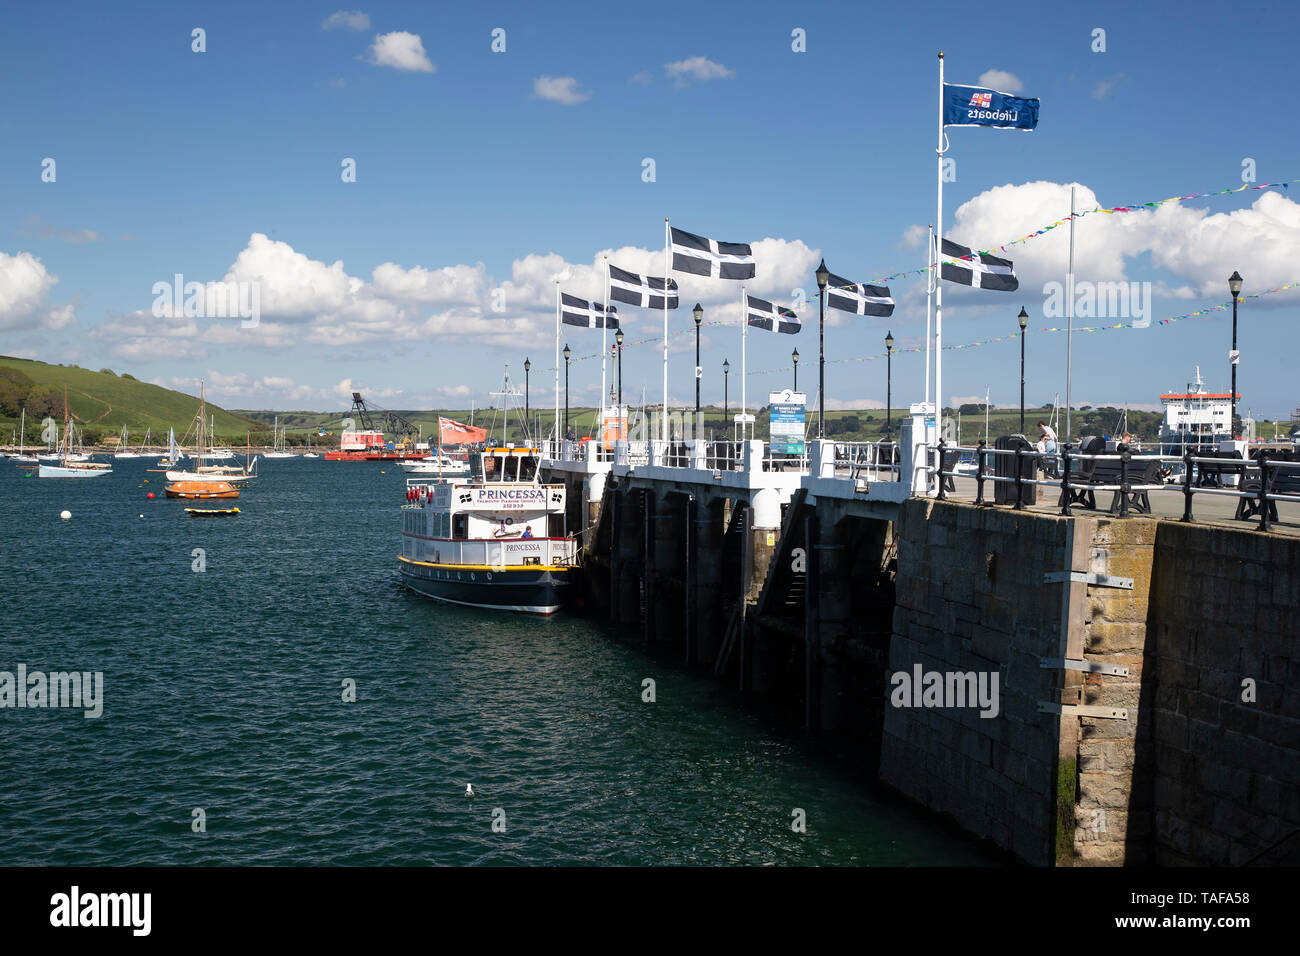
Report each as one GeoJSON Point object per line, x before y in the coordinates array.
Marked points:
{"type": "Point", "coordinates": [58, 471]}
{"type": "Point", "coordinates": [527, 590]}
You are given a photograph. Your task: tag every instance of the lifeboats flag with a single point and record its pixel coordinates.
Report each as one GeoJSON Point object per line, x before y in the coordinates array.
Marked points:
{"type": "Point", "coordinates": [980, 106]}
{"type": "Point", "coordinates": [457, 433]}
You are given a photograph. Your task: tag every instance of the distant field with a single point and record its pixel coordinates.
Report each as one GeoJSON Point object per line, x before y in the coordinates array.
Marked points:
{"type": "Point", "coordinates": [102, 402]}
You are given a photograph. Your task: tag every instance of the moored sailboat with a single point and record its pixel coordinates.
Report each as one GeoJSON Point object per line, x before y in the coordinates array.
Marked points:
{"type": "Point", "coordinates": [68, 466]}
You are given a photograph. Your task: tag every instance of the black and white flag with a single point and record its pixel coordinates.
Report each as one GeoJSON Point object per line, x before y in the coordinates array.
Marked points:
{"type": "Point", "coordinates": [858, 298]}
{"type": "Point", "coordinates": [775, 318]}
{"type": "Point", "coordinates": [647, 292]}
{"type": "Point", "coordinates": [980, 270]}
{"type": "Point", "coordinates": [590, 315]}
{"type": "Point", "coordinates": [709, 257]}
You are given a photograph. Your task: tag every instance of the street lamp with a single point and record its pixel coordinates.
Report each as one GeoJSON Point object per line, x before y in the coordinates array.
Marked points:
{"type": "Point", "coordinates": [726, 370]}
{"type": "Point", "coordinates": [823, 275]}
{"type": "Point", "coordinates": [566, 391]}
{"type": "Point", "coordinates": [889, 378]}
{"type": "Point", "coordinates": [528, 367]}
{"type": "Point", "coordinates": [1023, 318]}
{"type": "Point", "coordinates": [698, 312]}
{"type": "Point", "coordinates": [618, 339]}
{"type": "Point", "coordinates": [794, 357]}
{"type": "Point", "coordinates": [1234, 286]}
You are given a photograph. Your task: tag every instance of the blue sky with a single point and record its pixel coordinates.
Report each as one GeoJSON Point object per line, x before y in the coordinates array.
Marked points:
{"type": "Point", "coordinates": [171, 161]}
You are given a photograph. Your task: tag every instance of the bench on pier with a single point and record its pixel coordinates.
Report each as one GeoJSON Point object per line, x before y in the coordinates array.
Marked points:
{"type": "Point", "coordinates": [1212, 474]}
{"type": "Point", "coordinates": [1281, 481]}
{"type": "Point", "coordinates": [1090, 473]}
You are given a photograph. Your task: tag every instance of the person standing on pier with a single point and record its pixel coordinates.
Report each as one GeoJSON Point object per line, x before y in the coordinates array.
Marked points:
{"type": "Point", "coordinates": [1046, 439]}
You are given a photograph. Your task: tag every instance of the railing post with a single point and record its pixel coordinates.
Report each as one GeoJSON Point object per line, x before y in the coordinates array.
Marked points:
{"type": "Point", "coordinates": [939, 471]}
{"type": "Point", "coordinates": [979, 473]}
{"type": "Point", "coordinates": [1065, 480]}
{"type": "Point", "coordinates": [1187, 485]}
{"type": "Point", "coordinates": [1020, 494]}
{"type": "Point", "coordinates": [1263, 488]}
{"type": "Point", "coordinates": [1123, 484]}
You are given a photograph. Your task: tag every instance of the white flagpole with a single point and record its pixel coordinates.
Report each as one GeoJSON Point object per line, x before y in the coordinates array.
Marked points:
{"type": "Point", "coordinates": [556, 433]}
{"type": "Point", "coordinates": [604, 355]}
{"type": "Point", "coordinates": [938, 284]}
{"type": "Point", "coordinates": [663, 427]}
{"type": "Point", "coordinates": [929, 302]}
{"type": "Point", "coordinates": [1069, 319]}
{"type": "Point", "coordinates": [744, 337]}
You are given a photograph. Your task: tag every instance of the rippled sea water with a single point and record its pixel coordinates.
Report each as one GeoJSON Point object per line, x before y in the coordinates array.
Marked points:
{"type": "Point", "coordinates": [223, 691]}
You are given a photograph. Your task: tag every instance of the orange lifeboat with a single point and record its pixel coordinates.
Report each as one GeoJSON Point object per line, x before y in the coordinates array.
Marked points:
{"type": "Point", "coordinates": [202, 489]}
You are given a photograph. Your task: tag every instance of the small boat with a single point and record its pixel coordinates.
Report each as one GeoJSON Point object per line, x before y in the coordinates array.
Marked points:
{"type": "Point", "coordinates": [231, 473]}
{"type": "Point", "coordinates": [212, 512]}
{"type": "Point", "coordinates": [278, 450]}
{"type": "Point", "coordinates": [436, 465]}
{"type": "Point", "coordinates": [126, 451]}
{"type": "Point", "coordinates": [202, 489]}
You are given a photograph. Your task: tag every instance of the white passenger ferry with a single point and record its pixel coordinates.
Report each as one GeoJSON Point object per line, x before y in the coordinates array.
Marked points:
{"type": "Point", "coordinates": [496, 539]}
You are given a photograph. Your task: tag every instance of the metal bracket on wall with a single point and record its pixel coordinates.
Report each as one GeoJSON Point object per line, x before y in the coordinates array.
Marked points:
{"type": "Point", "coordinates": [1083, 710]}
{"type": "Point", "coordinates": [1088, 667]}
{"type": "Point", "coordinates": [1088, 577]}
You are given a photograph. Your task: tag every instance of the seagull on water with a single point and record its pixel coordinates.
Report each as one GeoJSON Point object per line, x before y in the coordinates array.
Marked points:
{"type": "Point", "coordinates": [469, 790]}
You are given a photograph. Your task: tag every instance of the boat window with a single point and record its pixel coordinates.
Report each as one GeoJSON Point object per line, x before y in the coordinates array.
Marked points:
{"type": "Point", "coordinates": [460, 527]}
{"type": "Point", "coordinates": [527, 468]}
{"type": "Point", "coordinates": [490, 472]}
{"type": "Point", "coordinates": [511, 468]}
{"type": "Point", "coordinates": [476, 466]}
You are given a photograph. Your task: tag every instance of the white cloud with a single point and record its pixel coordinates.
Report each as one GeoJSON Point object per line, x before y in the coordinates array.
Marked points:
{"type": "Point", "coordinates": [914, 236]}
{"type": "Point", "coordinates": [845, 404]}
{"type": "Point", "coordinates": [1000, 80]}
{"type": "Point", "coordinates": [401, 51]}
{"type": "Point", "coordinates": [32, 227]}
{"type": "Point", "coordinates": [24, 283]}
{"type": "Point", "coordinates": [559, 89]}
{"type": "Point", "coordinates": [696, 68]}
{"type": "Point", "coordinates": [460, 285]}
{"type": "Point", "coordinates": [1107, 86]}
{"type": "Point", "coordinates": [1198, 247]}
{"type": "Point", "coordinates": [346, 20]}
{"type": "Point", "coordinates": [642, 78]}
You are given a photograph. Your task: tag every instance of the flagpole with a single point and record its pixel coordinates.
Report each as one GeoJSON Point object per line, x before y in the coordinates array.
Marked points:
{"type": "Point", "coordinates": [929, 302]}
{"type": "Point", "coordinates": [663, 427]}
{"type": "Point", "coordinates": [938, 285]}
{"type": "Point", "coordinates": [1069, 319]}
{"type": "Point", "coordinates": [556, 433]}
{"type": "Point", "coordinates": [744, 338]}
{"type": "Point", "coordinates": [604, 350]}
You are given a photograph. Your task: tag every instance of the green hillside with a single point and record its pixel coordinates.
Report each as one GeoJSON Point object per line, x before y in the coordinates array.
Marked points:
{"type": "Point", "coordinates": [101, 403]}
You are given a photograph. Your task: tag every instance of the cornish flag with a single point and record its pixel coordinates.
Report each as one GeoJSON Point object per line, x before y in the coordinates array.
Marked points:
{"type": "Point", "coordinates": [858, 298]}
{"type": "Point", "coordinates": [709, 257]}
{"type": "Point", "coordinates": [764, 315]}
{"type": "Point", "coordinates": [978, 269]}
{"type": "Point", "coordinates": [590, 315]}
{"type": "Point", "coordinates": [647, 292]}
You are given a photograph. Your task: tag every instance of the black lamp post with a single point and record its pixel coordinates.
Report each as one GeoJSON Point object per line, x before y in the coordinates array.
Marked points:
{"type": "Point", "coordinates": [528, 367]}
{"type": "Point", "coordinates": [889, 380]}
{"type": "Point", "coordinates": [726, 370]}
{"type": "Point", "coordinates": [618, 339]}
{"type": "Point", "coordinates": [698, 312]}
{"type": "Point", "coordinates": [794, 357]}
{"type": "Point", "coordinates": [823, 275]}
{"type": "Point", "coordinates": [1234, 286]}
{"type": "Point", "coordinates": [566, 391]}
{"type": "Point", "coordinates": [1023, 318]}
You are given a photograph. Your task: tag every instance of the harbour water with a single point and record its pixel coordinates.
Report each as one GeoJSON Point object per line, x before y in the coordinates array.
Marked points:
{"type": "Point", "coordinates": [224, 692]}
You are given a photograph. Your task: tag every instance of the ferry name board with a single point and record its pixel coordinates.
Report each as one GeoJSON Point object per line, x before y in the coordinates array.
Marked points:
{"type": "Point", "coordinates": [461, 498]}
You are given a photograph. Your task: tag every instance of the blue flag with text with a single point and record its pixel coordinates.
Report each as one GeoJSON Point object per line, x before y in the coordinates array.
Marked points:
{"type": "Point", "coordinates": [979, 106]}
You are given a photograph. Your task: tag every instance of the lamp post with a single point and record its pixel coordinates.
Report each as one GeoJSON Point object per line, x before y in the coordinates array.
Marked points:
{"type": "Point", "coordinates": [889, 379]}
{"type": "Point", "coordinates": [698, 312]}
{"type": "Point", "coordinates": [726, 370]}
{"type": "Point", "coordinates": [1023, 319]}
{"type": "Point", "coordinates": [566, 391]}
{"type": "Point", "coordinates": [1234, 286]}
{"type": "Point", "coordinates": [528, 367]}
{"type": "Point", "coordinates": [618, 339]}
{"type": "Point", "coordinates": [823, 275]}
{"type": "Point", "coordinates": [794, 357]}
